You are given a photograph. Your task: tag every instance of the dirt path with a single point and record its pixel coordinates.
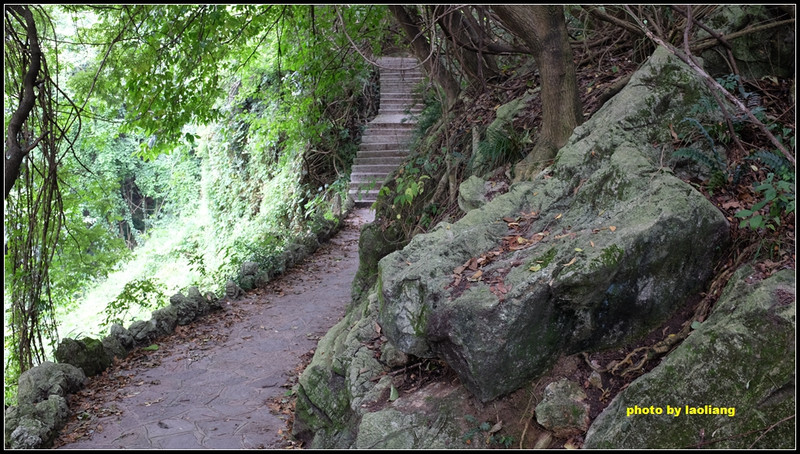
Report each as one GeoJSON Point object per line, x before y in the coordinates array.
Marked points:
{"type": "Point", "coordinates": [218, 382]}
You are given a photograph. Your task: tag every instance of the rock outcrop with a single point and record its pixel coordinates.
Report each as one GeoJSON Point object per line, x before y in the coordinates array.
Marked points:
{"type": "Point", "coordinates": [730, 385]}
{"type": "Point", "coordinates": [600, 248]}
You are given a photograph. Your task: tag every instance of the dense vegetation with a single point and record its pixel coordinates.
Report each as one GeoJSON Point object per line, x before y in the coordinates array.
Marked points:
{"type": "Point", "coordinates": [164, 145]}
{"type": "Point", "coordinates": [230, 135]}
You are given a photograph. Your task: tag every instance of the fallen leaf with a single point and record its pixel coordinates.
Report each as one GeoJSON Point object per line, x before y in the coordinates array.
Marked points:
{"type": "Point", "coordinates": [572, 261]}
{"type": "Point", "coordinates": [591, 243]}
{"type": "Point", "coordinates": [535, 268]}
{"type": "Point", "coordinates": [559, 215]}
{"type": "Point", "coordinates": [577, 249]}
{"type": "Point", "coordinates": [393, 394]}
{"type": "Point", "coordinates": [496, 428]}
{"type": "Point", "coordinates": [612, 228]}
{"type": "Point", "coordinates": [475, 276]}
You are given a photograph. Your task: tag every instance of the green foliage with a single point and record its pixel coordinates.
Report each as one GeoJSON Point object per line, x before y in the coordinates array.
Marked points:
{"type": "Point", "coordinates": [430, 115]}
{"type": "Point", "coordinates": [503, 145]}
{"type": "Point", "coordinates": [778, 199]}
{"type": "Point", "coordinates": [712, 160]}
{"type": "Point", "coordinates": [140, 293]}
{"type": "Point", "coordinates": [779, 164]}
{"type": "Point", "coordinates": [287, 95]}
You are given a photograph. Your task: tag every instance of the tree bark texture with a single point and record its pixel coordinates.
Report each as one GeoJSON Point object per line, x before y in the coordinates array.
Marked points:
{"type": "Point", "coordinates": [410, 23]}
{"type": "Point", "coordinates": [543, 29]}
{"type": "Point", "coordinates": [14, 150]}
{"type": "Point", "coordinates": [468, 46]}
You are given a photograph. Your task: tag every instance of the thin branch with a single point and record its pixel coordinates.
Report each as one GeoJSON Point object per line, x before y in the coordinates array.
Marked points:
{"type": "Point", "coordinates": [713, 84]}
{"type": "Point", "coordinates": [711, 42]}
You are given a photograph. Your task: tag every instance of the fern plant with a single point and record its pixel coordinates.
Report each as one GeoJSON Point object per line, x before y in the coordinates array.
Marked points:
{"type": "Point", "coordinates": [502, 146]}
{"type": "Point", "coordinates": [714, 161]}
{"type": "Point", "coordinates": [778, 194]}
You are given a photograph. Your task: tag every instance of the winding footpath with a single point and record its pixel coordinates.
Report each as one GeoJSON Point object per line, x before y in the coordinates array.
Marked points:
{"type": "Point", "coordinates": [218, 383]}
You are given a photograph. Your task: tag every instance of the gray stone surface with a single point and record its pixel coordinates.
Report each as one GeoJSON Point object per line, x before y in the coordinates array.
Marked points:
{"type": "Point", "coordinates": [768, 52]}
{"type": "Point", "coordinates": [563, 409]}
{"type": "Point", "coordinates": [41, 408]}
{"type": "Point", "coordinates": [48, 379]}
{"type": "Point", "coordinates": [614, 247]}
{"type": "Point", "coordinates": [471, 193]}
{"type": "Point", "coordinates": [87, 353]}
{"type": "Point", "coordinates": [739, 361]}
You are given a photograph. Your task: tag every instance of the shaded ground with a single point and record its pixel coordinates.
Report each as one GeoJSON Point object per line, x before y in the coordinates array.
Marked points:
{"type": "Point", "coordinates": [219, 382]}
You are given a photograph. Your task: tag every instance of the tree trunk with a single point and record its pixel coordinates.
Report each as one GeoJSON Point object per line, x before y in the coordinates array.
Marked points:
{"type": "Point", "coordinates": [543, 29]}
{"type": "Point", "coordinates": [422, 49]}
{"type": "Point", "coordinates": [14, 152]}
{"type": "Point", "coordinates": [474, 63]}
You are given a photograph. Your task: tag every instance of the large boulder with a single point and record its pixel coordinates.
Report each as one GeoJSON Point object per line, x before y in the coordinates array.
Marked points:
{"type": "Point", "coordinates": [729, 385]}
{"type": "Point", "coordinates": [598, 249]}
{"type": "Point", "coordinates": [531, 304]}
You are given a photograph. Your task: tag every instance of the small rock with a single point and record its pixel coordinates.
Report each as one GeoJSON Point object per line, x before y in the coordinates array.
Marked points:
{"type": "Point", "coordinates": [563, 410]}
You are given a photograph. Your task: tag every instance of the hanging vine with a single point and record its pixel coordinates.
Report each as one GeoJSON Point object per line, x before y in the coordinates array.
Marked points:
{"type": "Point", "coordinates": [33, 207]}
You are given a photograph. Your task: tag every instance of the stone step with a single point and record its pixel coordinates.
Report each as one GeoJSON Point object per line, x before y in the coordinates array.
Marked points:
{"type": "Point", "coordinates": [401, 82]}
{"type": "Point", "coordinates": [383, 168]}
{"type": "Point", "coordinates": [382, 154]}
{"type": "Point", "coordinates": [363, 199]}
{"type": "Point", "coordinates": [399, 96]}
{"type": "Point", "coordinates": [368, 180]}
{"type": "Point", "coordinates": [399, 87]}
{"type": "Point", "coordinates": [377, 137]}
{"type": "Point", "coordinates": [381, 160]}
{"type": "Point", "coordinates": [411, 114]}
{"type": "Point", "coordinates": [400, 102]}
{"type": "Point", "coordinates": [379, 146]}
{"type": "Point", "coordinates": [377, 125]}
{"type": "Point", "coordinates": [400, 108]}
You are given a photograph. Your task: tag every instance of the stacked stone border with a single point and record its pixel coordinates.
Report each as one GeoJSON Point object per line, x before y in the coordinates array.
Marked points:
{"type": "Point", "coordinates": [42, 410]}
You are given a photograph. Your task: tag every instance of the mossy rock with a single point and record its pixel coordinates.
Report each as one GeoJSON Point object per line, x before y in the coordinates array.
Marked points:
{"type": "Point", "coordinates": [735, 375]}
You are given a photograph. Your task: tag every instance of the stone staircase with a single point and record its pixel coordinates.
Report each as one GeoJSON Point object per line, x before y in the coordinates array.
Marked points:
{"type": "Point", "coordinates": [384, 143]}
